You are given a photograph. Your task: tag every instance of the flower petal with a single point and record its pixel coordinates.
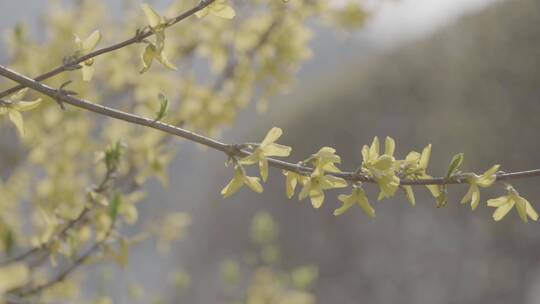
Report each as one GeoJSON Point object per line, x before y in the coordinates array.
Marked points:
{"type": "Point", "coordinates": [202, 13]}
{"type": "Point", "coordinates": [497, 202]}
{"type": "Point", "coordinates": [19, 95]}
{"type": "Point", "coordinates": [475, 198]}
{"type": "Point", "coordinates": [22, 106]}
{"type": "Point", "coordinates": [487, 179]}
{"type": "Point", "coordinates": [365, 154]}
{"type": "Point", "coordinates": [223, 11]}
{"type": "Point", "coordinates": [305, 190]}
{"type": "Point", "coordinates": [531, 212]}
{"type": "Point", "coordinates": [162, 58]}
{"type": "Point", "coordinates": [521, 207]}
{"type": "Point", "coordinates": [336, 182]}
{"type": "Point", "coordinates": [374, 149]}
{"type": "Point", "coordinates": [234, 185]}
{"type": "Point", "coordinates": [91, 42]}
{"type": "Point", "coordinates": [271, 136]}
{"type": "Point", "coordinates": [389, 146]}
{"type": "Point", "coordinates": [365, 205]}
{"type": "Point", "coordinates": [290, 183]}
{"type": "Point", "coordinates": [410, 195]}
{"type": "Point", "coordinates": [147, 57]}
{"type": "Point", "coordinates": [502, 210]}
{"type": "Point", "coordinates": [347, 204]}
{"type": "Point", "coordinates": [17, 120]}
{"type": "Point", "coordinates": [277, 150]}
{"type": "Point", "coordinates": [251, 159]}
{"type": "Point", "coordinates": [87, 72]}
{"type": "Point", "coordinates": [317, 198]}
{"type": "Point", "coordinates": [424, 158]}
{"type": "Point", "coordinates": [253, 183]}
{"type": "Point", "coordinates": [154, 19]}
{"type": "Point", "coordinates": [468, 195]}
{"type": "Point", "coordinates": [263, 168]}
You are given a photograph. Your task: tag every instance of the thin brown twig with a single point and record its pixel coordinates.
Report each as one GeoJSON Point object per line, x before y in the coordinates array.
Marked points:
{"type": "Point", "coordinates": [231, 150]}
{"type": "Point", "coordinates": [67, 271]}
{"type": "Point", "coordinates": [138, 37]}
{"type": "Point", "coordinates": [64, 231]}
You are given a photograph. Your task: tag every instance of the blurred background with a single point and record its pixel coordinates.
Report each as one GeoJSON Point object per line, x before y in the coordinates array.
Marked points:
{"type": "Point", "coordinates": [462, 75]}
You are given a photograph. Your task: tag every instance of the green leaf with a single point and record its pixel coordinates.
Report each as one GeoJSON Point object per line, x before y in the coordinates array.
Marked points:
{"type": "Point", "coordinates": [163, 107]}
{"type": "Point", "coordinates": [115, 206]}
{"type": "Point", "coordinates": [455, 164]}
{"type": "Point", "coordinates": [8, 239]}
{"type": "Point", "coordinates": [147, 57]}
{"type": "Point", "coordinates": [113, 155]}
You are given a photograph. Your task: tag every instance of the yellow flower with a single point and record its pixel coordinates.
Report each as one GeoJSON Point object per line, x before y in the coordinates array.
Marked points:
{"type": "Point", "coordinates": [85, 47]}
{"type": "Point", "coordinates": [155, 50]}
{"type": "Point", "coordinates": [505, 203]}
{"type": "Point", "coordinates": [358, 196]}
{"type": "Point", "coordinates": [415, 164]}
{"type": "Point", "coordinates": [14, 105]}
{"type": "Point", "coordinates": [315, 186]}
{"type": "Point", "coordinates": [410, 194]}
{"type": "Point", "coordinates": [382, 168]}
{"type": "Point", "coordinates": [13, 276]}
{"type": "Point", "coordinates": [325, 159]}
{"type": "Point", "coordinates": [292, 180]}
{"type": "Point", "coordinates": [485, 180]}
{"type": "Point", "coordinates": [240, 178]}
{"type": "Point", "coordinates": [267, 148]}
{"type": "Point", "coordinates": [219, 9]}
{"type": "Point", "coordinates": [415, 167]}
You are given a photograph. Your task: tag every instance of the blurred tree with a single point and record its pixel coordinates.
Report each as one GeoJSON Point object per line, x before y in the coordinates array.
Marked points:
{"type": "Point", "coordinates": [78, 199]}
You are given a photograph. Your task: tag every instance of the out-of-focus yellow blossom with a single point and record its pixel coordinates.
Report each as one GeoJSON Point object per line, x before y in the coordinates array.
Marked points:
{"type": "Point", "coordinates": [267, 148]}
{"type": "Point", "coordinates": [505, 203]}
{"type": "Point", "coordinates": [218, 8]}
{"type": "Point", "coordinates": [155, 50]}
{"type": "Point", "coordinates": [13, 107]}
{"type": "Point", "coordinates": [485, 180]}
{"type": "Point", "coordinates": [85, 47]}
{"type": "Point", "coordinates": [12, 276]}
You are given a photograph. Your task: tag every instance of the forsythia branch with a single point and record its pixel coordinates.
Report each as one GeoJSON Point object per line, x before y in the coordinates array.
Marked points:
{"type": "Point", "coordinates": [229, 149]}
{"type": "Point", "coordinates": [138, 37]}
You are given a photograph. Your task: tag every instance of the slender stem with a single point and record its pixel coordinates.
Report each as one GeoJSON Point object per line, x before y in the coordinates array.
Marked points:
{"type": "Point", "coordinates": [135, 39]}
{"type": "Point", "coordinates": [68, 270]}
{"type": "Point", "coordinates": [64, 231]}
{"type": "Point", "coordinates": [229, 149]}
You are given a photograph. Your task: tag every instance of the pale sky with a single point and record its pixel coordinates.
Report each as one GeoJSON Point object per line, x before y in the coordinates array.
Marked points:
{"type": "Point", "coordinates": [393, 18]}
{"type": "Point", "coordinates": [395, 21]}
{"type": "Point", "coordinates": [400, 20]}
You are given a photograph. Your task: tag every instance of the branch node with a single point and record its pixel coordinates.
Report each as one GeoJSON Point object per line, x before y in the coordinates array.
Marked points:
{"type": "Point", "coordinates": [233, 150]}
{"type": "Point", "coordinates": [68, 64]}
{"type": "Point", "coordinates": [61, 92]}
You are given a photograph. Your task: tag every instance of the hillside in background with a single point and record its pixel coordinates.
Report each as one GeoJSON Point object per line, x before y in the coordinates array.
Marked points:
{"type": "Point", "coordinates": [473, 87]}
